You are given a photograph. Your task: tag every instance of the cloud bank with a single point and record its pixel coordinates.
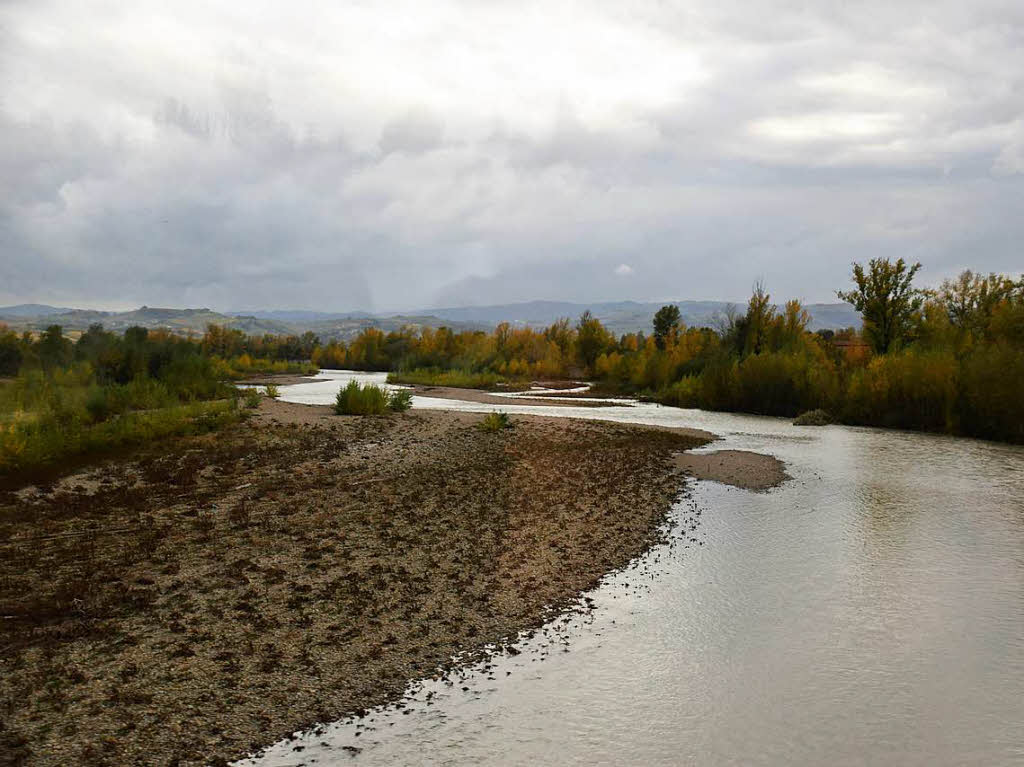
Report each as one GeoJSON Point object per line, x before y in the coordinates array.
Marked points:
{"type": "Point", "coordinates": [401, 155]}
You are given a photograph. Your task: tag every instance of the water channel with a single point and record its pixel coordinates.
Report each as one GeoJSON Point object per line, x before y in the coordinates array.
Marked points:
{"type": "Point", "coordinates": [870, 611]}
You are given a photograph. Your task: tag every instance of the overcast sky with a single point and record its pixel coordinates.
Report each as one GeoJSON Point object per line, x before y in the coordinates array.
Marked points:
{"type": "Point", "coordinates": [400, 155]}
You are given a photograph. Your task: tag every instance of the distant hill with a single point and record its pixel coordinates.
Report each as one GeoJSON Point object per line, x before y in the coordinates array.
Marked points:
{"type": "Point", "coordinates": [30, 310]}
{"type": "Point", "coordinates": [194, 321]}
{"type": "Point", "coordinates": [628, 316]}
{"type": "Point", "coordinates": [618, 316]}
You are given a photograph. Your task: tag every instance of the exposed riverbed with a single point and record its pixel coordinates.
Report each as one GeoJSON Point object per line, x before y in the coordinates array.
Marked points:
{"type": "Point", "coordinates": [869, 611]}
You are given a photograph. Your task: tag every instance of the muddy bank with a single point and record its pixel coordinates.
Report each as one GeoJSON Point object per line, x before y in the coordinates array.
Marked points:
{"type": "Point", "coordinates": [740, 468]}
{"type": "Point", "coordinates": [213, 594]}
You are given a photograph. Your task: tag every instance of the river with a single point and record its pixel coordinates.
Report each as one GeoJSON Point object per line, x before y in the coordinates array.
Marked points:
{"type": "Point", "coordinates": [868, 612]}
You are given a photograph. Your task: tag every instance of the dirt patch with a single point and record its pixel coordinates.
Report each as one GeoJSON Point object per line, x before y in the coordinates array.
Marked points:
{"type": "Point", "coordinates": [740, 468]}
{"type": "Point", "coordinates": [213, 594]}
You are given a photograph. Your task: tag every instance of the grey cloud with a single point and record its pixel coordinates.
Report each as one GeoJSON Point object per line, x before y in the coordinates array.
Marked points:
{"type": "Point", "coordinates": [815, 136]}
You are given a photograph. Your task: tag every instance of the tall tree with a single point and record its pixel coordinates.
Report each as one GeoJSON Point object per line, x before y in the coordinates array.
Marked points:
{"type": "Point", "coordinates": [666, 324]}
{"type": "Point", "coordinates": [591, 338]}
{"type": "Point", "coordinates": [887, 300]}
{"type": "Point", "coordinates": [760, 315]}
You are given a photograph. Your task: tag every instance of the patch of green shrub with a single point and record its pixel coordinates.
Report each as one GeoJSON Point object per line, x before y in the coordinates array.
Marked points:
{"type": "Point", "coordinates": [272, 391]}
{"type": "Point", "coordinates": [400, 400]}
{"type": "Point", "coordinates": [498, 421]}
{"type": "Point", "coordinates": [361, 399]}
{"type": "Point", "coordinates": [251, 397]}
{"type": "Point", "coordinates": [817, 417]}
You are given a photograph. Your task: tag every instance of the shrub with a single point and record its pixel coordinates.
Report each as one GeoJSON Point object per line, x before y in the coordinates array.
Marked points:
{"type": "Point", "coordinates": [98, 403]}
{"type": "Point", "coordinates": [272, 391]}
{"type": "Point", "coordinates": [817, 417]}
{"type": "Point", "coordinates": [252, 397]}
{"type": "Point", "coordinates": [400, 400]}
{"type": "Point", "coordinates": [362, 399]}
{"type": "Point", "coordinates": [496, 422]}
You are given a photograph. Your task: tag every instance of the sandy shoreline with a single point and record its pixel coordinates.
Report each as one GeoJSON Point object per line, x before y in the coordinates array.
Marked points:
{"type": "Point", "coordinates": [739, 468]}
{"type": "Point", "coordinates": [211, 595]}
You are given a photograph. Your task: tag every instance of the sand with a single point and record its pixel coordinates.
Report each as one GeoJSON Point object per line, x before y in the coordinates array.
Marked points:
{"type": "Point", "coordinates": [740, 468]}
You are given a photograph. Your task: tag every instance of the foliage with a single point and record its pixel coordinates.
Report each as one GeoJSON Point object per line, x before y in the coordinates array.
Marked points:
{"type": "Point", "coordinates": [252, 398]}
{"type": "Point", "coordinates": [272, 391]}
{"type": "Point", "coordinates": [370, 399]}
{"type": "Point", "coordinates": [886, 299]}
{"type": "Point", "coordinates": [817, 417]}
{"type": "Point", "coordinates": [400, 400]}
{"type": "Point", "coordinates": [461, 379]}
{"type": "Point", "coordinates": [494, 422]}
{"type": "Point", "coordinates": [667, 321]}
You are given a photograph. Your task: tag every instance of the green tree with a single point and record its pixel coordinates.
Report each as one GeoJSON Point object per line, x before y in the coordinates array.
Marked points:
{"type": "Point", "coordinates": [666, 324]}
{"type": "Point", "coordinates": [54, 349]}
{"type": "Point", "coordinates": [887, 300]}
{"type": "Point", "coordinates": [10, 352]}
{"type": "Point", "coordinates": [971, 299]}
{"type": "Point", "coordinates": [591, 338]}
{"type": "Point", "coordinates": [758, 321]}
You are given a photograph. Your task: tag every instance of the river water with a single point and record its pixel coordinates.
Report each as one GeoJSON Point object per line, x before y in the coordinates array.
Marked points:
{"type": "Point", "coordinates": [868, 612]}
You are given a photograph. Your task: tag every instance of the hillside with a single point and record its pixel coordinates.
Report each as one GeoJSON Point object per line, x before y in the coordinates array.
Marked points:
{"type": "Point", "coordinates": [618, 316]}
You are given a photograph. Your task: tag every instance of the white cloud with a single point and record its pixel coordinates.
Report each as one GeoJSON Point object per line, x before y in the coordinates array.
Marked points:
{"type": "Point", "coordinates": [624, 270]}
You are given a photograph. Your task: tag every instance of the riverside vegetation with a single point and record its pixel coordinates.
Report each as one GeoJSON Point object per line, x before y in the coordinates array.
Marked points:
{"type": "Point", "coordinates": [104, 390]}
{"type": "Point", "coordinates": [947, 359]}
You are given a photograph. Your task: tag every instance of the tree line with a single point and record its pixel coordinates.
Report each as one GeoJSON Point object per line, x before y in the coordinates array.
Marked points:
{"type": "Point", "coordinates": [947, 359]}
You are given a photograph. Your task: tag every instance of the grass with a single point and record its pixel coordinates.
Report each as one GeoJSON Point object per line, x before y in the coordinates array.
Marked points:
{"type": "Point", "coordinates": [34, 440]}
{"type": "Point", "coordinates": [457, 379]}
{"type": "Point", "coordinates": [370, 399]}
{"type": "Point", "coordinates": [495, 422]}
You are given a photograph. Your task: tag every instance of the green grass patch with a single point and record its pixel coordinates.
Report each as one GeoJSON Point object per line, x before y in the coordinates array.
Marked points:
{"type": "Point", "coordinates": [32, 440]}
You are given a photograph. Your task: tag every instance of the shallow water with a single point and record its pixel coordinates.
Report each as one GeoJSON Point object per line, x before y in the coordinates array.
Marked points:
{"type": "Point", "coordinates": [870, 611]}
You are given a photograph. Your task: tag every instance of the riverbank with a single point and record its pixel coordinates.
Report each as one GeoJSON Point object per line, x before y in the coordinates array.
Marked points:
{"type": "Point", "coordinates": [488, 398]}
{"type": "Point", "coordinates": [213, 594]}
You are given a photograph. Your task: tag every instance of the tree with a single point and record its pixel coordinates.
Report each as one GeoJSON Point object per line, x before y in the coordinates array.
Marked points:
{"type": "Point", "coordinates": [759, 318]}
{"type": "Point", "coordinates": [666, 324]}
{"type": "Point", "coordinates": [971, 300]}
{"type": "Point", "coordinates": [10, 352]}
{"type": "Point", "coordinates": [53, 348]}
{"type": "Point", "coordinates": [887, 300]}
{"type": "Point", "coordinates": [592, 338]}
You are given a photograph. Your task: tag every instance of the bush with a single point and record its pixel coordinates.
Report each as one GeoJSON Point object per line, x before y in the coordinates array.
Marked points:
{"type": "Point", "coordinates": [400, 400]}
{"type": "Point", "coordinates": [98, 404]}
{"type": "Point", "coordinates": [252, 397]}
{"type": "Point", "coordinates": [360, 399]}
{"type": "Point", "coordinates": [817, 417]}
{"type": "Point", "coordinates": [272, 391]}
{"type": "Point", "coordinates": [496, 422]}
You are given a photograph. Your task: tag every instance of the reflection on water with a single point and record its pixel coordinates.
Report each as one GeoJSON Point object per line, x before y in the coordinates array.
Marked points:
{"type": "Point", "coordinates": [870, 611]}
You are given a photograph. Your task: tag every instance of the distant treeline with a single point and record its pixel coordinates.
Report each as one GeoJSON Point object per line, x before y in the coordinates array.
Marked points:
{"type": "Point", "coordinates": [948, 359]}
